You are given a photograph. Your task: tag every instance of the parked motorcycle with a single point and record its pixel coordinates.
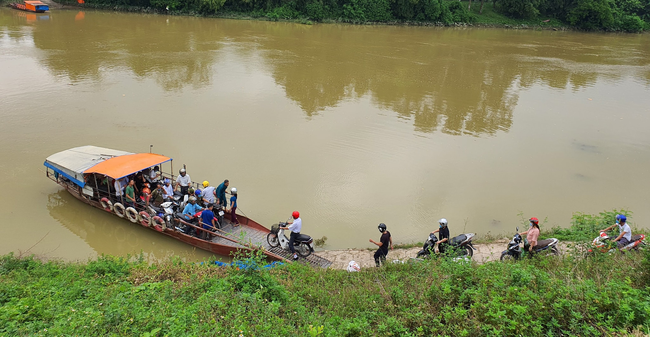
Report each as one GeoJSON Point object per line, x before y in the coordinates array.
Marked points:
{"type": "Point", "coordinates": [304, 244]}
{"type": "Point", "coordinates": [514, 249]}
{"type": "Point", "coordinates": [604, 244]}
{"type": "Point", "coordinates": [460, 246]}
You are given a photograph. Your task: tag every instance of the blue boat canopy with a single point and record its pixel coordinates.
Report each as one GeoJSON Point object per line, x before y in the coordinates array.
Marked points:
{"type": "Point", "coordinates": [73, 162]}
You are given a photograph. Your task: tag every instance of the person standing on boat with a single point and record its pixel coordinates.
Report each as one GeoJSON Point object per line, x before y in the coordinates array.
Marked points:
{"type": "Point", "coordinates": [294, 226]}
{"type": "Point", "coordinates": [208, 193]}
{"type": "Point", "coordinates": [158, 195]}
{"type": "Point", "coordinates": [208, 221]}
{"type": "Point", "coordinates": [119, 190]}
{"type": "Point", "coordinates": [130, 194]}
{"type": "Point", "coordinates": [168, 189]}
{"type": "Point", "coordinates": [233, 207]}
{"type": "Point", "coordinates": [221, 193]}
{"type": "Point", "coordinates": [154, 175]}
{"type": "Point", "coordinates": [184, 181]}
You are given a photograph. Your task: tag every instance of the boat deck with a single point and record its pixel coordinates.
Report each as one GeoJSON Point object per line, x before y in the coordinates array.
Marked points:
{"type": "Point", "coordinates": [246, 236]}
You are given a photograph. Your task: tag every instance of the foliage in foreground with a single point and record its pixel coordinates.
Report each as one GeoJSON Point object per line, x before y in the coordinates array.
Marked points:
{"type": "Point", "coordinates": [548, 296]}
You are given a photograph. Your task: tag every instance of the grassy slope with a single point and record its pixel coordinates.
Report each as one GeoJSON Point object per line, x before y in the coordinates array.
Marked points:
{"type": "Point", "coordinates": [600, 296]}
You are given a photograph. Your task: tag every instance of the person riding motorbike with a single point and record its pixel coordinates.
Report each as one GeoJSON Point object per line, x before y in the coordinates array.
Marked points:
{"type": "Point", "coordinates": [443, 235]}
{"type": "Point", "coordinates": [532, 234]}
{"type": "Point", "coordinates": [191, 209]}
{"type": "Point", "coordinates": [295, 226]}
{"type": "Point", "coordinates": [625, 233]}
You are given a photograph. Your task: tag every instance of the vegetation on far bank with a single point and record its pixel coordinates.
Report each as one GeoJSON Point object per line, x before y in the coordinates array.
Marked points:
{"type": "Point", "coordinates": [590, 15]}
{"type": "Point", "coordinates": [604, 295]}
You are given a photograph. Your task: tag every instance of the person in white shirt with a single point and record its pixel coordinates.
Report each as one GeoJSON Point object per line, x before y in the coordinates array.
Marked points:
{"type": "Point", "coordinates": [154, 175]}
{"type": "Point", "coordinates": [184, 181]}
{"type": "Point", "coordinates": [625, 233]}
{"type": "Point", "coordinates": [294, 226]}
{"type": "Point", "coordinates": [119, 189]}
{"type": "Point", "coordinates": [168, 189]}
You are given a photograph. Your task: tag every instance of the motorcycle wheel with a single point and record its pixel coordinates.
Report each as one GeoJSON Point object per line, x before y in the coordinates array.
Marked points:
{"type": "Point", "coordinates": [272, 240]}
{"type": "Point", "coordinates": [470, 251]}
{"type": "Point", "coordinates": [555, 251]}
{"type": "Point", "coordinates": [303, 250]}
{"type": "Point", "coordinates": [506, 257]}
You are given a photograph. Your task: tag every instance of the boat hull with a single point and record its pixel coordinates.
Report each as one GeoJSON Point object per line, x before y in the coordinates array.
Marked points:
{"type": "Point", "coordinates": [215, 248]}
{"type": "Point", "coordinates": [30, 8]}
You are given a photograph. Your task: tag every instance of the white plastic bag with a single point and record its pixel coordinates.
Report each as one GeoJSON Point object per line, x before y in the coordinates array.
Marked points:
{"type": "Point", "coordinates": [353, 266]}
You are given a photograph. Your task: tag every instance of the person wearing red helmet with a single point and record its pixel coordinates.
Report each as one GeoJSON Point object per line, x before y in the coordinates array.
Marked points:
{"type": "Point", "coordinates": [532, 234]}
{"type": "Point", "coordinates": [295, 226]}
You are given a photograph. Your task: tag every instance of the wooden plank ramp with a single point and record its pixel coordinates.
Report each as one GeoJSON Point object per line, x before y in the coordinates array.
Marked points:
{"type": "Point", "coordinates": [246, 236]}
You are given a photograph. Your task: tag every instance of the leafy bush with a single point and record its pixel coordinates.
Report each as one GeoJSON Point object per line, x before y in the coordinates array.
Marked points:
{"type": "Point", "coordinates": [518, 9]}
{"type": "Point", "coordinates": [283, 13]}
{"type": "Point", "coordinates": [316, 10]}
{"type": "Point", "coordinates": [630, 24]}
{"type": "Point", "coordinates": [367, 10]}
{"type": "Point", "coordinates": [591, 15]}
{"type": "Point", "coordinates": [459, 12]}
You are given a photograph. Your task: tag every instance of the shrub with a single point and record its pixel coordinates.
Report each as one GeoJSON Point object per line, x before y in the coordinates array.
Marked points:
{"type": "Point", "coordinates": [367, 10]}
{"type": "Point", "coordinates": [591, 15]}
{"type": "Point", "coordinates": [630, 23]}
{"type": "Point", "coordinates": [518, 9]}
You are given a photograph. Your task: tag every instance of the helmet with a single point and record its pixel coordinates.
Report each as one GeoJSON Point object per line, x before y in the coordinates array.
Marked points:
{"type": "Point", "coordinates": [295, 214]}
{"type": "Point", "coordinates": [206, 183]}
{"type": "Point", "coordinates": [192, 198]}
{"type": "Point", "coordinates": [620, 218]}
{"type": "Point", "coordinates": [442, 222]}
{"type": "Point", "coordinates": [233, 191]}
{"type": "Point", "coordinates": [197, 192]}
{"type": "Point", "coordinates": [382, 227]}
{"type": "Point", "coordinates": [534, 220]}
{"type": "Point", "coordinates": [167, 181]}
{"type": "Point", "coordinates": [181, 171]}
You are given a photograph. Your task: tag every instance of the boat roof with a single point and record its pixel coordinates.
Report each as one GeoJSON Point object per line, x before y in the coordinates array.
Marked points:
{"type": "Point", "coordinates": [74, 163]}
{"type": "Point", "coordinates": [34, 3]}
{"type": "Point", "coordinates": [122, 166]}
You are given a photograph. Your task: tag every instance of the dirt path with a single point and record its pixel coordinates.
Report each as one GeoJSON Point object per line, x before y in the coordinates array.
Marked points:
{"type": "Point", "coordinates": [341, 258]}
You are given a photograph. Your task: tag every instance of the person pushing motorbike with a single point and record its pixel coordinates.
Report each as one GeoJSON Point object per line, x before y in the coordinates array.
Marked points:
{"type": "Point", "coordinates": [443, 235]}
{"type": "Point", "coordinates": [294, 226]}
{"type": "Point", "coordinates": [625, 233]}
{"type": "Point", "coordinates": [384, 242]}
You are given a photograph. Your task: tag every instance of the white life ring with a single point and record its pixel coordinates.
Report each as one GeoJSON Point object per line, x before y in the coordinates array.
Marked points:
{"type": "Point", "coordinates": [119, 209]}
{"type": "Point", "coordinates": [107, 205]}
{"type": "Point", "coordinates": [131, 214]}
{"type": "Point", "coordinates": [159, 223]}
{"type": "Point", "coordinates": [145, 218]}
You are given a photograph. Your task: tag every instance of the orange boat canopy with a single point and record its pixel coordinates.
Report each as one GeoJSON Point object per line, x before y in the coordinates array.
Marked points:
{"type": "Point", "coordinates": [122, 166]}
{"type": "Point", "coordinates": [35, 3]}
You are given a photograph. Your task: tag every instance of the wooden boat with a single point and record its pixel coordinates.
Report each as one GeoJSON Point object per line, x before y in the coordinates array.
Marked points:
{"type": "Point", "coordinates": [31, 6]}
{"type": "Point", "coordinates": [89, 172]}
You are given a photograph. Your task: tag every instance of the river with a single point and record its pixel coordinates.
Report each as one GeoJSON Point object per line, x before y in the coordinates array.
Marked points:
{"type": "Point", "coordinates": [350, 125]}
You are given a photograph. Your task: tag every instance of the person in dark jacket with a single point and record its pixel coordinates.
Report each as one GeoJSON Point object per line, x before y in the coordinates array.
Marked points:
{"type": "Point", "coordinates": [443, 235]}
{"type": "Point", "coordinates": [384, 242]}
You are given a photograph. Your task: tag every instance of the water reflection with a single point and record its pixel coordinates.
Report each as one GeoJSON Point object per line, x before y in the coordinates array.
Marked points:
{"type": "Point", "coordinates": [456, 81]}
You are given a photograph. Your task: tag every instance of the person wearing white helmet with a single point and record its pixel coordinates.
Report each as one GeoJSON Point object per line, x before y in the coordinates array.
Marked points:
{"type": "Point", "coordinates": [443, 235]}
{"type": "Point", "coordinates": [184, 181]}
{"type": "Point", "coordinates": [190, 210]}
{"type": "Point", "coordinates": [233, 207]}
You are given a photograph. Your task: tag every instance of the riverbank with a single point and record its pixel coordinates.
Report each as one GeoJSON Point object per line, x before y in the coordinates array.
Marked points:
{"type": "Point", "coordinates": [485, 18]}
{"type": "Point", "coordinates": [603, 296]}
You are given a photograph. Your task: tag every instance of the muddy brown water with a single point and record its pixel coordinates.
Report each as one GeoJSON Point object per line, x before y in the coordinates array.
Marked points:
{"type": "Point", "coordinates": [350, 125]}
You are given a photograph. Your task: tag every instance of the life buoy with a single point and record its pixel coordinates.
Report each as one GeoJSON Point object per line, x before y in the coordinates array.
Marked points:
{"type": "Point", "coordinates": [106, 204]}
{"type": "Point", "coordinates": [119, 209]}
{"type": "Point", "coordinates": [145, 218]}
{"type": "Point", "coordinates": [159, 223]}
{"type": "Point", "coordinates": [131, 214]}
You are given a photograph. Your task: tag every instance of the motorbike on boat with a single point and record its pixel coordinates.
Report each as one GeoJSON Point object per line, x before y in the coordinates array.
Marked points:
{"type": "Point", "coordinates": [604, 244]}
{"type": "Point", "coordinates": [459, 246]}
{"type": "Point", "coordinates": [514, 250]}
{"type": "Point", "coordinates": [304, 244]}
